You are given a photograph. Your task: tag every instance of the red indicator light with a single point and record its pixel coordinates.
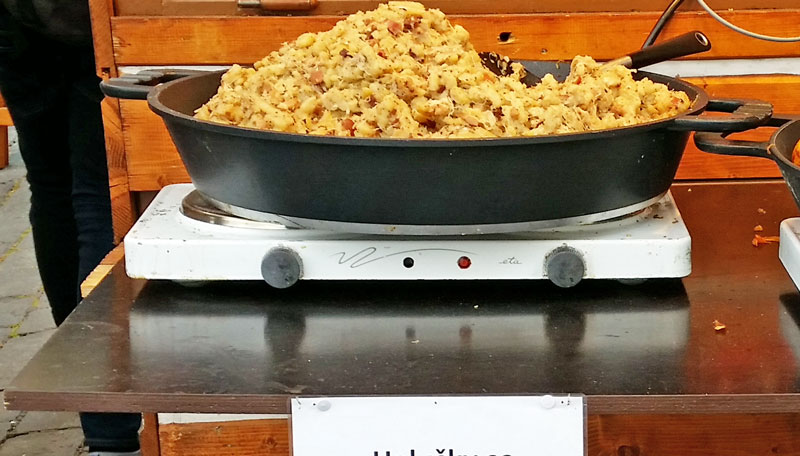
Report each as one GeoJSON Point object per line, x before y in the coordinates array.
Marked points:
{"type": "Point", "coordinates": [464, 262]}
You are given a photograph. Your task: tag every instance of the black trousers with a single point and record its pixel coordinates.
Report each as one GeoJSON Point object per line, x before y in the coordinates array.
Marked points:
{"type": "Point", "coordinates": [52, 93]}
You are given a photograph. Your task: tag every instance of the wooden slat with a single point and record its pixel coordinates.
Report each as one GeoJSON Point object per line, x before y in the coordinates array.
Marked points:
{"type": "Point", "coordinates": [4, 147]}
{"type": "Point", "coordinates": [139, 7]}
{"type": "Point", "coordinates": [220, 40]}
{"type": "Point", "coordinates": [101, 271]}
{"type": "Point", "coordinates": [250, 437]}
{"type": "Point", "coordinates": [122, 207]}
{"type": "Point", "coordinates": [149, 438]}
{"type": "Point", "coordinates": [5, 121]}
{"type": "Point", "coordinates": [694, 435]}
{"type": "Point", "coordinates": [5, 117]}
{"type": "Point", "coordinates": [780, 90]}
{"type": "Point", "coordinates": [101, 12]}
{"type": "Point", "coordinates": [123, 211]}
{"type": "Point", "coordinates": [153, 161]}
{"type": "Point", "coordinates": [337, 7]}
{"type": "Point", "coordinates": [685, 435]}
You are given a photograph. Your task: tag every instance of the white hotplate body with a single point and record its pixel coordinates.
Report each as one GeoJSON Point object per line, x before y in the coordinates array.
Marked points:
{"type": "Point", "coordinates": [789, 250]}
{"type": "Point", "coordinates": [165, 244]}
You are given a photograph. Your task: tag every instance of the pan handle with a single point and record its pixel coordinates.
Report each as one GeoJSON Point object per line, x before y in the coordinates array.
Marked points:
{"type": "Point", "coordinates": [717, 143]}
{"type": "Point", "coordinates": [137, 86]}
{"type": "Point", "coordinates": [745, 114]}
{"type": "Point", "coordinates": [680, 46]}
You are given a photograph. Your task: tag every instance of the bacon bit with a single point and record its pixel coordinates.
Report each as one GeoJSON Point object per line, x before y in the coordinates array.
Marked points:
{"type": "Point", "coordinates": [394, 28]}
{"type": "Point", "coordinates": [578, 80]}
{"type": "Point", "coordinates": [371, 101]}
{"type": "Point", "coordinates": [676, 101]}
{"type": "Point", "coordinates": [488, 76]}
{"type": "Point", "coordinates": [759, 240]}
{"type": "Point", "coordinates": [411, 23]}
{"type": "Point", "coordinates": [758, 228]}
{"type": "Point", "coordinates": [317, 77]}
{"type": "Point", "coordinates": [430, 124]}
{"type": "Point", "coordinates": [761, 211]}
{"type": "Point", "coordinates": [344, 53]}
{"type": "Point", "coordinates": [498, 113]}
{"type": "Point", "coordinates": [348, 124]}
{"type": "Point", "coordinates": [719, 326]}
{"type": "Point", "coordinates": [381, 54]}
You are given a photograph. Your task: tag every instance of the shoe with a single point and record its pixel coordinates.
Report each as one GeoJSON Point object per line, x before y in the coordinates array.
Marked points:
{"type": "Point", "coordinates": [115, 453]}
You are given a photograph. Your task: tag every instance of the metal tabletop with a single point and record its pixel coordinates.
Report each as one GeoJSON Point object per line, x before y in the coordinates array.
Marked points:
{"type": "Point", "coordinates": [153, 346]}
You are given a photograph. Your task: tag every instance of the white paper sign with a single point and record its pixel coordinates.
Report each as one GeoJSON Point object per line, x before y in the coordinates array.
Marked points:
{"type": "Point", "coordinates": [439, 426]}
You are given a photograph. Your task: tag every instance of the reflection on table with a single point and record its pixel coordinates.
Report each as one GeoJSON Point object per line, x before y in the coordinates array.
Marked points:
{"type": "Point", "coordinates": [421, 338]}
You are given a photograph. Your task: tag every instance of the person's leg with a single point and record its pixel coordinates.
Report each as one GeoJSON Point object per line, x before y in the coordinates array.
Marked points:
{"type": "Point", "coordinates": [52, 219]}
{"type": "Point", "coordinates": [118, 432]}
{"type": "Point", "coordinates": [34, 95]}
{"type": "Point", "coordinates": [90, 196]}
{"type": "Point", "coordinates": [111, 432]}
{"type": "Point", "coordinates": [60, 130]}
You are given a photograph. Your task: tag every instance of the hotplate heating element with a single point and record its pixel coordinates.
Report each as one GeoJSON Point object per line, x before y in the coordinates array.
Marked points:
{"type": "Point", "coordinates": [181, 238]}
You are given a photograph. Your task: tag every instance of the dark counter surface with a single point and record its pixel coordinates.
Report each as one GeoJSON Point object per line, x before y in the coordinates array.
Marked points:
{"type": "Point", "coordinates": [246, 348]}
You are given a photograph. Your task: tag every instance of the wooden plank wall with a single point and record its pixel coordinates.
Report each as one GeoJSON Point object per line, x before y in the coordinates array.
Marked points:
{"type": "Point", "coordinates": [225, 40]}
{"type": "Point", "coordinates": [608, 435]}
{"type": "Point", "coordinates": [339, 7]}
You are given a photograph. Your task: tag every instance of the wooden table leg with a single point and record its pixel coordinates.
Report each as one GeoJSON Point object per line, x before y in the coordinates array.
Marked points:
{"type": "Point", "coordinates": [3, 147]}
{"type": "Point", "coordinates": [148, 439]}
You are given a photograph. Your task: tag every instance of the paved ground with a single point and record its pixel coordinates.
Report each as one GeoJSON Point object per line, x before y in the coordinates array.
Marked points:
{"type": "Point", "coordinates": [25, 324]}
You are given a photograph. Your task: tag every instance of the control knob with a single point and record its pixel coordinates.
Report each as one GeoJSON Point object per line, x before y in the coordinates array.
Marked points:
{"type": "Point", "coordinates": [281, 267]}
{"type": "Point", "coordinates": [564, 266]}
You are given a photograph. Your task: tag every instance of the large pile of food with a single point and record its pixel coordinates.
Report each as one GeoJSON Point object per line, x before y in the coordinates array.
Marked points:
{"type": "Point", "coordinates": [403, 71]}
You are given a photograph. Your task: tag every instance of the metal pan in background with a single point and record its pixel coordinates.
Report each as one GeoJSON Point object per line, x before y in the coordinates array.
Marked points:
{"type": "Point", "coordinates": [779, 148]}
{"type": "Point", "coordinates": [430, 187]}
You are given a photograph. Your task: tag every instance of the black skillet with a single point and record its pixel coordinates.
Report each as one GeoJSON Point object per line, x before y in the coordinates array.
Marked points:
{"type": "Point", "coordinates": [425, 186]}
{"type": "Point", "coordinates": [779, 148]}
